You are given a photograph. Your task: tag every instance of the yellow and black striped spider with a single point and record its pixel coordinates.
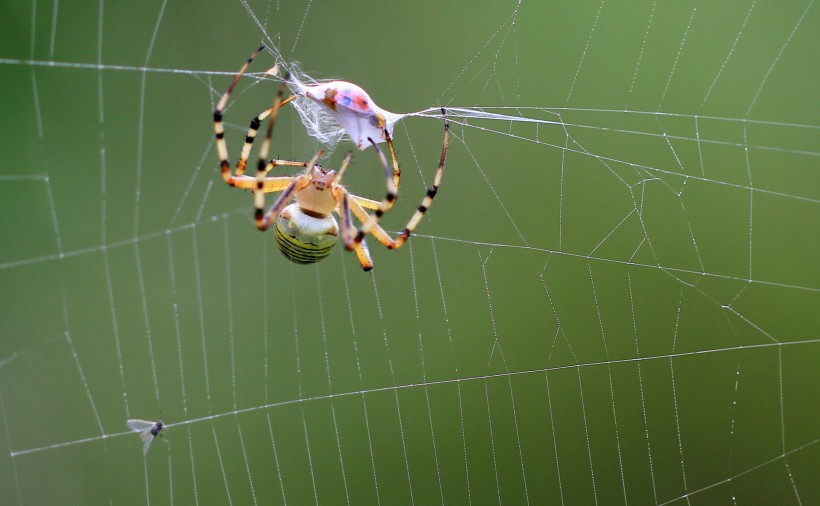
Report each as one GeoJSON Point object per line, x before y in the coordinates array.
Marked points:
{"type": "Point", "coordinates": [306, 230]}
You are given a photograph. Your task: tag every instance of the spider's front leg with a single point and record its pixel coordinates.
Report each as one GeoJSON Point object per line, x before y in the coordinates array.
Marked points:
{"type": "Point", "coordinates": [272, 113]}
{"type": "Point", "coordinates": [219, 128]}
{"type": "Point", "coordinates": [372, 223]}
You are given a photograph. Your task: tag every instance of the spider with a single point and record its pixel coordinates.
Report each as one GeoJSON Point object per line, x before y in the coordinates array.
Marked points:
{"type": "Point", "coordinates": [305, 230]}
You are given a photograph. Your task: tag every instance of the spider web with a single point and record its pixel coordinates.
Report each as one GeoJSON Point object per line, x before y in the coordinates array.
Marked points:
{"type": "Point", "coordinates": [614, 297]}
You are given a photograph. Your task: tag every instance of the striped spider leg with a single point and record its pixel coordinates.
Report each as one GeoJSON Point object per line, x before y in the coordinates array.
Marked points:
{"type": "Point", "coordinates": [370, 222]}
{"type": "Point", "coordinates": [239, 178]}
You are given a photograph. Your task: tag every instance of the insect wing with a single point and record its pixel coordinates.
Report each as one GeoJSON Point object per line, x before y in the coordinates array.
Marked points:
{"type": "Point", "coordinates": [147, 437]}
{"type": "Point", "coordinates": [140, 425]}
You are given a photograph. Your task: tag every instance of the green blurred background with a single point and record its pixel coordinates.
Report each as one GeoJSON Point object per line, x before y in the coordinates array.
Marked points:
{"type": "Point", "coordinates": [620, 309]}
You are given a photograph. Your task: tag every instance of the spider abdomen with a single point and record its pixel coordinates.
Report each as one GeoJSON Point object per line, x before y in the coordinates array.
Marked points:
{"type": "Point", "coordinates": [302, 238]}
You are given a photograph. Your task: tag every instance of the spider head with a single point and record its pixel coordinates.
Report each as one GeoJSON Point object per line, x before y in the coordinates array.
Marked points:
{"type": "Point", "coordinates": [317, 195]}
{"type": "Point", "coordinates": [303, 236]}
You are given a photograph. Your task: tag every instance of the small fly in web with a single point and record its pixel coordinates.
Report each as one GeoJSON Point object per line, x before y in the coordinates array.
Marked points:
{"type": "Point", "coordinates": [306, 231]}
{"type": "Point", "coordinates": [147, 431]}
